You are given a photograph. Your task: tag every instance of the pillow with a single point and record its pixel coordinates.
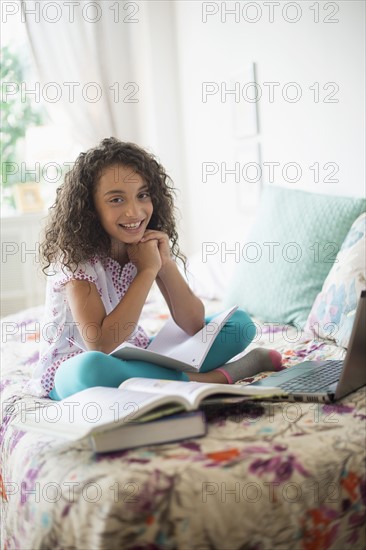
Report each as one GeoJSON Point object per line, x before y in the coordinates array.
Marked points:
{"type": "Point", "coordinates": [289, 252]}
{"type": "Point", "coordinates": [333, 311]}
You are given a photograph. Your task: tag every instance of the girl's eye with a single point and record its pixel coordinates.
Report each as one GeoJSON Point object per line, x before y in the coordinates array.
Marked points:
{"type": "Point", "coordinates": [116, 200]}
{"type": "Point", "coordinates": [144, 195]}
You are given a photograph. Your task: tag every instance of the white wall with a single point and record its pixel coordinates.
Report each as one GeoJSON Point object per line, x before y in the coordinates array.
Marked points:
{"type": "Point", "coordinates": [153, 51]}
{"type": "Point", "coordinates": [170, 52]}
{"type": "Point", "coordinates": [304, 132]}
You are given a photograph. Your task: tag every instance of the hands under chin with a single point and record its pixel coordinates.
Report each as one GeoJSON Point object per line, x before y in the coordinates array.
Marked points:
{"type": "Point", "coordinates": [162, 240]}
{"type": "Point", "coordinates": [145, 255]}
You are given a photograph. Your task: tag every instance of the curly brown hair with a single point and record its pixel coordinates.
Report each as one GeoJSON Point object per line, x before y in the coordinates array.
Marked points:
{"type": "Point", "coordinates": [73, 232]}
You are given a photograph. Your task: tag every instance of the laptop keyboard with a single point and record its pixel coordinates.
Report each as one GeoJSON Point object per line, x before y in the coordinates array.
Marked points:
{"type": "Point", "coordinates": [325, 375]}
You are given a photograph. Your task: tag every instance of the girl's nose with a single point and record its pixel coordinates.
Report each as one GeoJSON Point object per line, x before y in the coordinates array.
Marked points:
{"type": "Point", "coordinates": [131, 210]}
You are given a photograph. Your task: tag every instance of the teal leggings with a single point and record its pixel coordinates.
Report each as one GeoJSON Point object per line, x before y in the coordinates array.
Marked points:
{"type": "Point", "coordinates": [94, 368]}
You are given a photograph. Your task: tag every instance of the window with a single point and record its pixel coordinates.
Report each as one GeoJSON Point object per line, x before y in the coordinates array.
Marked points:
{"type": "Point", "coordinates": [31, 144]}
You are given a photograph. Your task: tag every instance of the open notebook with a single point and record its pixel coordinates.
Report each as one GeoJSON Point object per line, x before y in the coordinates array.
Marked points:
{"type": "Point", "coordinates": [173, 348]}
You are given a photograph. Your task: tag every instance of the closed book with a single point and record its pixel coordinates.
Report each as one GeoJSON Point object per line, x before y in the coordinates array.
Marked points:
{"type": "Point", "coordinates": [168, 429]}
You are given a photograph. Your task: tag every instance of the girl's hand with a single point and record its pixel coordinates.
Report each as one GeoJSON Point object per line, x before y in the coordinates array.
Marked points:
{"type": "Point", "coordinates": [163, 244]}
{"type": "Point", "coordinates": [145, 255]}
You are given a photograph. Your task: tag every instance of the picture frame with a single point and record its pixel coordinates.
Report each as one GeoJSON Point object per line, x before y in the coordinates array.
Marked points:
{"type": "Point", "coordinates": [245, 110]}
{"type": "Point", "coordinates": [28, 197]}
{"type": "Point", "coordinates": [249, 189]}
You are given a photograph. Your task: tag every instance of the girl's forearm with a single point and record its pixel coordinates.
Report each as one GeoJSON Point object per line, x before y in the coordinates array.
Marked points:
{"type": "Point", "coordinates": [118, 325]}
{"type": "Point", "coordinates": [186, 309]}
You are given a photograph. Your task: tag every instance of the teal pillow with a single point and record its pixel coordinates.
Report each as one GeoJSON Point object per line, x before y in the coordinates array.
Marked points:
{"type": "Point", "coordinates": [289, 252]}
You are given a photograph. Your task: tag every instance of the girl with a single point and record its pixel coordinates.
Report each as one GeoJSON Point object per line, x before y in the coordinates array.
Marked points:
{"type": "Point", "coordinates": [111, 233]}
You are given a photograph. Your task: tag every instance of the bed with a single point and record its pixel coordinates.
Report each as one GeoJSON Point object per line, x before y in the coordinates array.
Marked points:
{"type": "Point", "coordinates": [266, 475]}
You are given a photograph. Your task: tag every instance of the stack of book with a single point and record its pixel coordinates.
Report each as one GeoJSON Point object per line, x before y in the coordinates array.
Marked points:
{"type": "Point", "coordinates": [142, 411]}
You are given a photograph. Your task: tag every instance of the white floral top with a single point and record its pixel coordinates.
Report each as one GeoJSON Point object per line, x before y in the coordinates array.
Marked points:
{"type": "Point", "coordinates": [59, 331]}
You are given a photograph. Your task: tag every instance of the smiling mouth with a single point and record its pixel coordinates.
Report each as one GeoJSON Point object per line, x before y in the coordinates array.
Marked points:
{"type": "Point", "coordinates": [131, 226]}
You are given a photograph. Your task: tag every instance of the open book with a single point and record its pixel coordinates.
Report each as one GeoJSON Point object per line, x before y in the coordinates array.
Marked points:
{"type": "Point", "coordinates": [94, 412]}
{"type": "Point", "coordinates": [175, 349]}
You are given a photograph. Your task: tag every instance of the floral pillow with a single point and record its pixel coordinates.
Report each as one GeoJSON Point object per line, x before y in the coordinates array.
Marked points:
{"type": "Point", "coordinates": [334, 308]}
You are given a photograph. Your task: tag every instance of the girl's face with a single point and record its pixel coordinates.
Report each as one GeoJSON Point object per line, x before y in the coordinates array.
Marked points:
{"type": "Point", "coordinates": [123, 204]}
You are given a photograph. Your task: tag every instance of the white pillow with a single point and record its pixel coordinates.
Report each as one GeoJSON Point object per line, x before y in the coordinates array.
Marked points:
{"type": "Point", "coordinates": [334, 308]}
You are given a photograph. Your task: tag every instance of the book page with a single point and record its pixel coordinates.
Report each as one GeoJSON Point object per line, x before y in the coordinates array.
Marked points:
{"type": "Point", "coordinates": [188, 390]}
{"type": "Point", "coordinates": [94, 409]}
{"type": "Point", "coordinates": [128, 352]}
{"type": "Point", "coordinates": [173, 342]}
{"type": "Point", "coordinates": [195, 392]}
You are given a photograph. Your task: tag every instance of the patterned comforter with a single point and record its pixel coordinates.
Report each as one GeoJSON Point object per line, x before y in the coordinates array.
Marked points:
{"type": "Point", "coordinates": [266, 476]}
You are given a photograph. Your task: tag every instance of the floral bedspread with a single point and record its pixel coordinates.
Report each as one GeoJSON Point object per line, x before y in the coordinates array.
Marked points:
{"type": "Point", "coordinates": [266, 476]}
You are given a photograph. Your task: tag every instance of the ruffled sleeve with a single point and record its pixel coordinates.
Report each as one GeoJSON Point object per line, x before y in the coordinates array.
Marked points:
{"type": "Point", "coordinates": [85, 272]}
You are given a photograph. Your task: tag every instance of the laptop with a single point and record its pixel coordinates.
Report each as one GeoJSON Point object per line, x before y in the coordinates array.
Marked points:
{"type": "Point", "coordinates": [330, 380]}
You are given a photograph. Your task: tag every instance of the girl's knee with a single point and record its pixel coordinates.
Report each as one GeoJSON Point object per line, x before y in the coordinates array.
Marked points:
{"type": "Point", "coordinates": [87, 367]}
{"type": "Point", "coordinates": [79, 372]}
{"type": "Point", "coordinates": [243, 325]}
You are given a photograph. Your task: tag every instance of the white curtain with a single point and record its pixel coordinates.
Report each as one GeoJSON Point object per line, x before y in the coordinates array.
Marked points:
{"type": "Point", "coordinates": [82, 54]}
{"type": "Point", "coordinates": [129, 56]}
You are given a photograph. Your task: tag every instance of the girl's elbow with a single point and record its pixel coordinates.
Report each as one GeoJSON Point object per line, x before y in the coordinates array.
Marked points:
{"type": "Point", "coordinates": [103, 347]}
{"type": "Point", "coordinates": [95, 346]}
{"type": "Point", "coordinates": [195, 326]}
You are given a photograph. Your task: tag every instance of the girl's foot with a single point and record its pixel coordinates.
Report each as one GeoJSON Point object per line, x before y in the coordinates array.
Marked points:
{"type": "Point", "coordinates": [254, 362]}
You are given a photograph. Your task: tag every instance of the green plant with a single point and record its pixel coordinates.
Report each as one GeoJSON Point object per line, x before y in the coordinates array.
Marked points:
{"type": "Point", "coordinates": [18, 111]}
